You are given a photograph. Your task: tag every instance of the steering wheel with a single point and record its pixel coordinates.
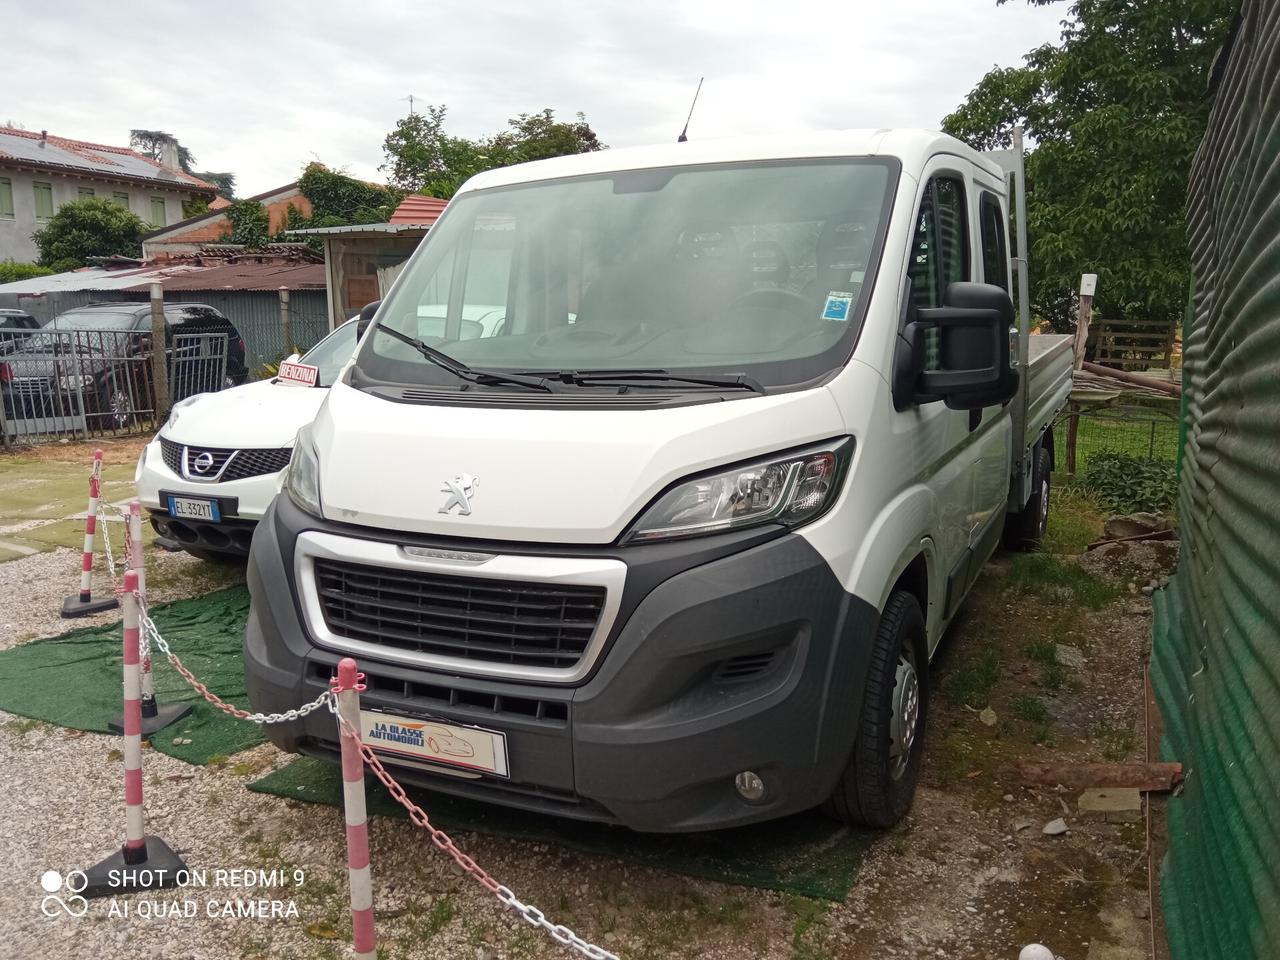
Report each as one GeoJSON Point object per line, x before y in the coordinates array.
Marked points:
{"type": "Point", "coordinates": [772, 298]}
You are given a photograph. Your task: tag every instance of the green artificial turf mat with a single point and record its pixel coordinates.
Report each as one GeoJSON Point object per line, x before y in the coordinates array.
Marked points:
{"type": "Point", "coordinates": [74, 680]}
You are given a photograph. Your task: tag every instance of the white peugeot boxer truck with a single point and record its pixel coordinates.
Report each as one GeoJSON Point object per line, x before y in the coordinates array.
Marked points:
{"type": "Point", "coordinates": [658, 475]}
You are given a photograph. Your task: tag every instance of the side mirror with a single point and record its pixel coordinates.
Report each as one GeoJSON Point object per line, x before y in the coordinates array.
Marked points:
{"type": "Point", "coordinates": [366, 317]}
{"type": "Point", "coordinates": [958, 353]}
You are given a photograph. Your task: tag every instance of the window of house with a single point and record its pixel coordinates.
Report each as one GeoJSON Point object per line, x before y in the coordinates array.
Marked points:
{"type": "Point", "coordinates": [157, 212]}
{"type": "Point", "coordinates": [85, 192]}
{"type": "Point", "coordinates": [43, 193]}
{"type": "Point", "coordinates": [6, 197]}
{"type": "Point", "coordinates": [995, 257]}
{"type": "Point", "coordinates": [120, 197]}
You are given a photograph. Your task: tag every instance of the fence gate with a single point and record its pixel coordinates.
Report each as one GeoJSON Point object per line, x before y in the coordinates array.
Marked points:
{"type": "Point", "coordinates": [87, 383]}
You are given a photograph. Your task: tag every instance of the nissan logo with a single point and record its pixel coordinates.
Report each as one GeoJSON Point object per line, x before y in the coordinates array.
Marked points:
{"type": "Point", "coordinates": [203, 463]}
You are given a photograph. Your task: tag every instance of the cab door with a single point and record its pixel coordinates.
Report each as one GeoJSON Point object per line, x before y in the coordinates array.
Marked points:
{"type": "Point", "coordinates": [940, 255]}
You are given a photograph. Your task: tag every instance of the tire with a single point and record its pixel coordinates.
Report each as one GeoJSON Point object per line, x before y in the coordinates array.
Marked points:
{"type": "Point", "coordinates": [1026, 529]}
{"type": "Point", "coordinates": [879, 780]}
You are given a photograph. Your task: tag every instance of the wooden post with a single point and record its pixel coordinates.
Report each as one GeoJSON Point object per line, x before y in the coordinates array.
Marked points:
{"type": "Point", "coordinates": [1088, 285]}
{"type": "Point", "coordinates": [159, 353]}
{"type": "Point", "coordinates": [285, 332]}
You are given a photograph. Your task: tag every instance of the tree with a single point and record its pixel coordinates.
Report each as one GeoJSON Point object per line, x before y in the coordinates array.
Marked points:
{"type": "Point", "coordinates": [1115, 112]}
{"type": "Point", "coordinates": [422, 158]}
{"type": "Point", "coordinates": [91, 227]}
{"type": "Point", "coordinates": [539, 136]}
{"type": "Point", "coordinates": [152, 143]}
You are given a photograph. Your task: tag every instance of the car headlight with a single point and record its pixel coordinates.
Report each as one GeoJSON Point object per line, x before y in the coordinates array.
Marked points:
{"type": "Point", "coordinates": [302, 476]}
{"type": "Point", "coordinates": [790, 490]}
{"type": "Point", "coordinates": [74, 382]}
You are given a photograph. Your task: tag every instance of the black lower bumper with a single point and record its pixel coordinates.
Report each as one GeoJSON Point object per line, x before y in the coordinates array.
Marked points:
{"type": "Point", "coordinates": [753, 660]}
{"type": "Point", "coordinates": [231, 535]}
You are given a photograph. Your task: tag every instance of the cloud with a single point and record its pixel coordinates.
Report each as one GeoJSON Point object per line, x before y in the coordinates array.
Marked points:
{"type": "Point", "coordinates": [262, 89]}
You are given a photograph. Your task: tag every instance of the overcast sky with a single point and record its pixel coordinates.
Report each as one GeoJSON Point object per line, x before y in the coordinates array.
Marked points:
{"type": "Point", "coordinates": [260, 89]}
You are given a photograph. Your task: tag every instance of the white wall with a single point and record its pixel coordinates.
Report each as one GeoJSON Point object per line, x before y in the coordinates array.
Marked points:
{"type": "Point", "coordinates": [15, 231]}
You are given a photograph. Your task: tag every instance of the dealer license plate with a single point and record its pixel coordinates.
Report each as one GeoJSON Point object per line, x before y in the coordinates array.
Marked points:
{"type": "Point", "coordinates": [190, 508]}
{"type": "Point", "coordinates": [416, 738]}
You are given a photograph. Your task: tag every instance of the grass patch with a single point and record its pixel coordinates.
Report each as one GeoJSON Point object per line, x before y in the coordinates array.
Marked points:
{"type": "Point", "coordinates": [1075, 520]}
{"type": "Point", "coordinates": [1043, 573]}
{"type": "Point", "coordinates": [1053, 675]}
{"type": "Point", "coordinates": [972, 680]}
{"type": "Point", "coordinates": [441, 914]}
{"type": "Point", "coordinates": [1117, 742]}
{"type": "Point", "coordinates": [1033, 712]}
{"type": "Point", "coordinates": [808, 927]}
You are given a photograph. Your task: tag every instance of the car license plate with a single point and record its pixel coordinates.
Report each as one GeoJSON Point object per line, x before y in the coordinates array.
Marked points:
{"type": "Point", "coordinates": [191, 508]}
{"type": "Point", "coordinates": [434, 741]}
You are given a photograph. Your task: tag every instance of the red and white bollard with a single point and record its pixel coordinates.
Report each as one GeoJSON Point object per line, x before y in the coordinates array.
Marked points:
{"type": "Point", "coordinates": [154, 715]}
{"type": "Point", "coordinates": [84, 604]}
{"type": "Point", "coordinates": [143, 863]}
{"type": "Point", "coordinates": [364, 941]}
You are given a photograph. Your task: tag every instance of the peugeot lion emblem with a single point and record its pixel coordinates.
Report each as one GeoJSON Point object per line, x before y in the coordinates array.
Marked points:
{"type": "Point", "coordinates": [203, 463]}
{"type": "Point", "coordinates": [460, 490]}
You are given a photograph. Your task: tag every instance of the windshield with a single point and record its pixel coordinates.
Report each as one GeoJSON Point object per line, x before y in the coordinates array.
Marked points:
{"type": "Point", "coordinates": [332, 352]}
{"type": "Point", "coordinates": [93, 321]}
{"type": "Point", "coordinates": [760, 269]}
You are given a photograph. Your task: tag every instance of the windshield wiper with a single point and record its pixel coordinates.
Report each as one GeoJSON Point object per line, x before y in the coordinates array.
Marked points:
{"type": "Point", "coordinates": [641, 377]}
{"type": "Point", "coordinates": [460, 369]}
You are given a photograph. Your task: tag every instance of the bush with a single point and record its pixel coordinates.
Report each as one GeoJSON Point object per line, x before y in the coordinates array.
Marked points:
{"type": "Point", "coordinates": [10, 271]}
{"type": "Point", "coordinates": [91, 227]}
{"type": "Point", "coordinates": [1129, 484]}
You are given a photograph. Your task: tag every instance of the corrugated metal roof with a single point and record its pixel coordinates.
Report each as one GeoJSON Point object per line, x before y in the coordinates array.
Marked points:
{"type": "Point", "coordinates": [1216, 644]}
{"type": "Point", "coordinates": [362, 228]}
{"type": "Point", "coordinates": [230, 276]}
{"type": "Point", "coordinates": [420, 209]}
{"type": "Point", "coordinates": [247, 276]}
{"type": "Point", "coordinates": [20, 147]}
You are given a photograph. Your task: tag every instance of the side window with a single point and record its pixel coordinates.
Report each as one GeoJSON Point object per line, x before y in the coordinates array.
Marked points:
{"type": "Point", "coordinates": [995, 256]}
{"type": "Point", "coordinates": [939, 251]}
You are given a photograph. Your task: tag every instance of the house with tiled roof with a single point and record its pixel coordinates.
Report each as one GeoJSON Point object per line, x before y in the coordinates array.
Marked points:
{"type": "Point", "coordinates": [40, 172]}
{"type": "Point", "coordinates": [213, 226]}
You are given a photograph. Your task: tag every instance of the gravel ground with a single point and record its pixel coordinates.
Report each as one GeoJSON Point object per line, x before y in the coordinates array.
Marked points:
{"type": "Point", "coordinates": [968, 876]}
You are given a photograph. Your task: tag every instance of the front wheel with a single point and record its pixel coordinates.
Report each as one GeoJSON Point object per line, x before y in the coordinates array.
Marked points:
{"type": "Point", "coordinates": [879, 781]}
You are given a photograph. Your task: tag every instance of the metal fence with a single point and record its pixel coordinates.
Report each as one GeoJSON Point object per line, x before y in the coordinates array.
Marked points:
{"type": "Point", "coordinates": [93, 383]}
{"type": "Point", "coordinates": [254, 313]}
{"type": "Point", "coordinates": [1216, 642]}
{"type": "Point", "coordinates": [1141, 431]}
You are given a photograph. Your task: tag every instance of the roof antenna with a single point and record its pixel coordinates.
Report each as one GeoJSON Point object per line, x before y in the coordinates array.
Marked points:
{"type": "Point", "coordinates": [684, 134]}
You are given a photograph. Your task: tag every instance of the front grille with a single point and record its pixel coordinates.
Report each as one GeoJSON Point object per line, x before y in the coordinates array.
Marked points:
{"type": "Point", "coordinates": [31, 388]}
{"type": "Point", "coordinates": [172, 453]}
{"type": "Point", "coordinates": [239, 464]}
{"type": "Point", "coordinates": [497, 621]}
{"type": "Point", "coordinates": [256, 463]}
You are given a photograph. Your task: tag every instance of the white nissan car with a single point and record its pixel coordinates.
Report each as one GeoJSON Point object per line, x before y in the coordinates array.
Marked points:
{"type": "Point", "coordinates": [211, 471]}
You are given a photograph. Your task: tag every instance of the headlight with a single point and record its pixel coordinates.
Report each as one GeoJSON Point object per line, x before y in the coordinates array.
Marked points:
{"type": "Point", "coordinates": [790, 490]}
{"type": "Point", "coordinates": [71, 384]}
{"type": "Point", "coordinates": [302, 476]}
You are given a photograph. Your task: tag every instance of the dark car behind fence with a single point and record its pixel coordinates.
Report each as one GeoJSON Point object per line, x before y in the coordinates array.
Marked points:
{"type": "Point", "coordinates": [93, 383]}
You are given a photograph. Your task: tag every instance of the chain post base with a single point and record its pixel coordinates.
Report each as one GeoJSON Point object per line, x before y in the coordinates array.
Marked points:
{"type": "Point", "coordinates": [73, 607]}
{"type": "Point", "coordinates": [160, 869]}
{"type": "Point", "coordinates": [155, 716]}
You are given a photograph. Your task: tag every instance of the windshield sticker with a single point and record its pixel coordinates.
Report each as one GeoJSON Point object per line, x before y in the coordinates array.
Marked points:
{"type": "Point", "coordinates": [837, 306]}
{"type": "Point", "coordinates": [302, 374]}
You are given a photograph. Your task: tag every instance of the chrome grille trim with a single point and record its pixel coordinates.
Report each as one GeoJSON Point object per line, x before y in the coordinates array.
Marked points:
{"type": "Point", "coordinates": [602, 572]}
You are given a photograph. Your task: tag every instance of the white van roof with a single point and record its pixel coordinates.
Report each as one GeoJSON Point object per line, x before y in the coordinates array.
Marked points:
{"type": "Point", "coordinates": [912, 147]}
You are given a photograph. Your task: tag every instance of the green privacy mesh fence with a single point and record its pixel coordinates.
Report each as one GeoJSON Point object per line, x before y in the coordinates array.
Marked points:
{"type": "Point", "coordinates": [1216, 659]}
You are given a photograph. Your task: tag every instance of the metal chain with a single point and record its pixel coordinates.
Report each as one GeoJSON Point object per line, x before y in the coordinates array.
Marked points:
{"type": "Point", "coordinates": [530, 914]}
{"type": "Point", "coordinates": [150, 631]}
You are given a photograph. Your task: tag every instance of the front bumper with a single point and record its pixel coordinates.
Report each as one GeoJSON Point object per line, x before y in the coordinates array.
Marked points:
{"type": "Point", "coordinates": [241, 503]}
{"type": "Point", "coordinates": [744, 656]}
